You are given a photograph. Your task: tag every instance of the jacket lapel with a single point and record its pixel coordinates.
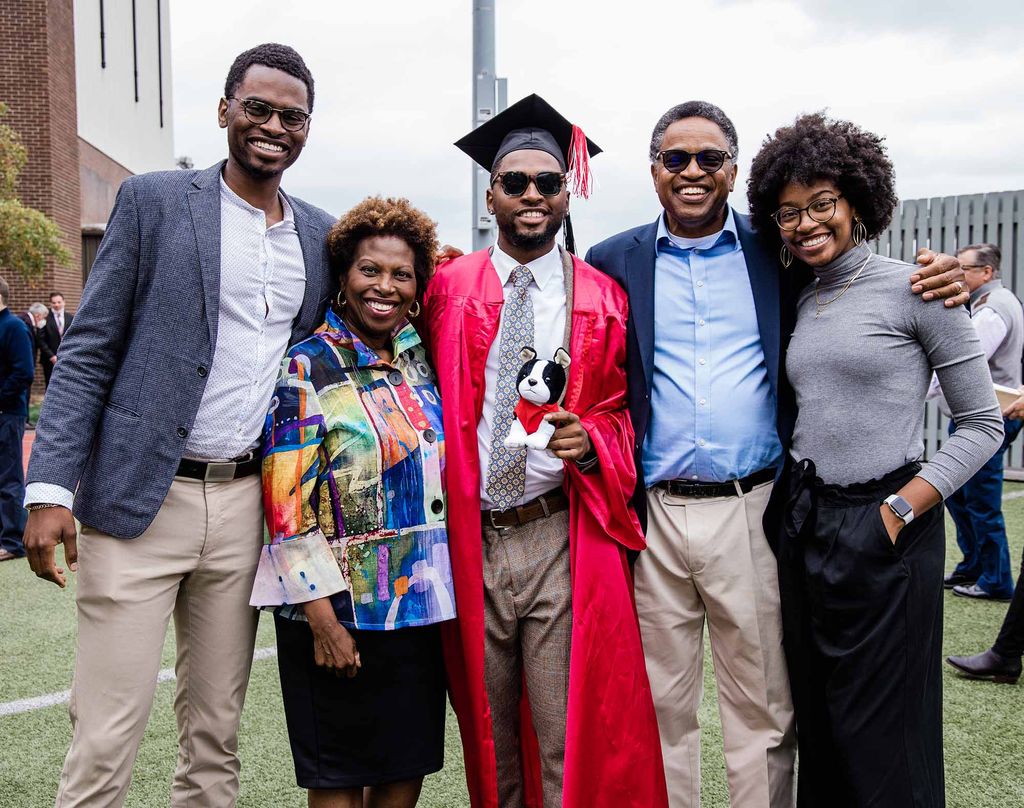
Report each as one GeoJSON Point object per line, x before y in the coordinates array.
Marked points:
{"type": "Point", "coordinates": [311, 241]}
{"type": "Point", "coordinates": [640, 288]}
{"type": "Point", "coordinates": [204, 207]}
{"type": "Point", "coordinates": [765, 286]}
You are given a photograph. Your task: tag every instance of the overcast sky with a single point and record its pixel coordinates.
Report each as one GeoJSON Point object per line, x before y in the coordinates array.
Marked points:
{"type": "Point", "coordinates": [940, 79]}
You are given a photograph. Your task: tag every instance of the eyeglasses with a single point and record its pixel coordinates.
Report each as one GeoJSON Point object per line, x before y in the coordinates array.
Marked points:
{"type": "Point", "coordinates": [973, 266]}
{"type": "Point", "coordinates": [708, 160]}
{"type": "Point", "coordinates": [515, 183]}
{"type": "Point", "coordinates": [260, 111]}
{"type": "Point", "coordinates": [820, 211]}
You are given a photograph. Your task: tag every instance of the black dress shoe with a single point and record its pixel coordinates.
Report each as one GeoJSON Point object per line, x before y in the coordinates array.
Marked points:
{"type": "Point", "coordinates": [987, 665]}
{"type": "Point", "coordinates": [957, 579]}
{"type": "Point", "coordinates": [977, 593]}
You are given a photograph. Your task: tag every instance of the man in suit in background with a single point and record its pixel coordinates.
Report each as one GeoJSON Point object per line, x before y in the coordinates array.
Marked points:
{"type": "Point", "coordinates": [712, 414]}
{"type": "Point", "coordinates": [35, 319]}
{"type": "Point", "coordinates": [152, 436]}
{"type": "Point", "coordinates": [57, 322]}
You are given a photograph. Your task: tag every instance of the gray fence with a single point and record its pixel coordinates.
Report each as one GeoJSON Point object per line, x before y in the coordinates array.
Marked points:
{"type": "Point", "coordinates": [946, 224]}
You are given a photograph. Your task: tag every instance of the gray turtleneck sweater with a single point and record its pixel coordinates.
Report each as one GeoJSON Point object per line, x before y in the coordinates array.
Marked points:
{"type": "Point", "coordinates": [861, 370]}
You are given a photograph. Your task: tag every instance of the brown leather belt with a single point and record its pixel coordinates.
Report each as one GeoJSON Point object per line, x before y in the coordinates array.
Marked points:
{"type": "Point", "coordinates": [220, 472]}
{"type": "Point", "coordinates": [691, 488]}
{"type": "Point", "coordinates": [544, 505]}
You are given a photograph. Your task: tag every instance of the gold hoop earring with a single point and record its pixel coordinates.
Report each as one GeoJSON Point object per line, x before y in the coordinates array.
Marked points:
{"type": "Point", "coordinates": [417, 308]}
{"type": "Point", "coordinates": [860, 231]}
{"type": "Point", "coordinates": [340, 301]}
{"type": "Point", "coordinates": [785, 256]}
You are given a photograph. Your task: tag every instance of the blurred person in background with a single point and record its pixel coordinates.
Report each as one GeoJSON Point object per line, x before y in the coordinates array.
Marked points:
{"type": "Point", "coordinates": [17, 368]}
{"type": "Point", "coordinates": [985, 571]}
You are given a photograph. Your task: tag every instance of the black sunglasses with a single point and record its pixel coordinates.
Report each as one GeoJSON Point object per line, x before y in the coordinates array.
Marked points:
{"type": "Point", "coordinates": [708, 160]}
{"type": "Point", "coordinates": [515, 183]}
{"type": "Point", "coordinates": [260, 111]}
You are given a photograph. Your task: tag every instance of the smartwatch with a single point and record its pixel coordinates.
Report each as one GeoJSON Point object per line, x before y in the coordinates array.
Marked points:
{"type": "Point", "coordinates": [899, 506]}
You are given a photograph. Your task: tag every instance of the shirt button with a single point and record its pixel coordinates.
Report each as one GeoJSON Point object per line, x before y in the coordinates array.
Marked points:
{"type": "Point", "coordinates": [702, 442]}
{"type": "Point", "coordinates": [700, 322]}
{"type": "Point", "coordinates": [201, 370]}
{"type": "Point", "coordinates": [694, 477]}
{"type": "Point", "coordinates": [182, 432]}
{"type": "Point", "coordinates": [700, 283]}
{"type": "Point", "coordinates": [395, 377]}
{"type": "Point", "coordinates": [437, 506]}
{"type": "Point", "coordinates": [429, 435]}
{"type": "Point", "coordinates": [701, 361]}
{"type": "Point", "coordinates": [703, 401]}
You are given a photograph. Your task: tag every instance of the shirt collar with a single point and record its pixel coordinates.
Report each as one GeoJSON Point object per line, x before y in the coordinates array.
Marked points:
{"type": "Point", "coordinates": [726, 234]}
{"type": "Point", "coordinates": [229, 196]}
{"type": "Point", "coordinates": [542, 269]}
{"type": "Point", "coordinates": [404, 338]}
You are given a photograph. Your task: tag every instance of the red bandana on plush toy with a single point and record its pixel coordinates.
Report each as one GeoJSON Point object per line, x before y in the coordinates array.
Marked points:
{"type": "Point", "coordinates": [541, 386]}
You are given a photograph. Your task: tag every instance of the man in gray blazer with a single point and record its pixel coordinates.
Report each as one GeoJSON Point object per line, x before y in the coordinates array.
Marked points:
{"type": "Point", "coordinates": [150, 434]}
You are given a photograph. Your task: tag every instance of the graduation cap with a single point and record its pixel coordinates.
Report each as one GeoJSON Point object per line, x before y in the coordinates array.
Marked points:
{"type": "Point", "coordinates": [532, 123]}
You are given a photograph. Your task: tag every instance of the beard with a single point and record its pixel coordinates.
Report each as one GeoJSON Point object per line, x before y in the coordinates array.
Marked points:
{"type": "Point", "coordinates": [527, 241]}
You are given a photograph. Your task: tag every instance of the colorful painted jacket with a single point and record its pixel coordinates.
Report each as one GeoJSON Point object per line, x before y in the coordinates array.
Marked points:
{"type": "Point", "coordinates": [353, 484]}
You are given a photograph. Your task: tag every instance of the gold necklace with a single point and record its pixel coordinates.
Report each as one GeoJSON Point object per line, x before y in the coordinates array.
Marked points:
{"type": "Point", "coordinates": [819, 306]}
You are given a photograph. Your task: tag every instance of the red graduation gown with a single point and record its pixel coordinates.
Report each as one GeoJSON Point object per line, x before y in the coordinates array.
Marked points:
{"type": "Point", "coordinates": [612, 750]}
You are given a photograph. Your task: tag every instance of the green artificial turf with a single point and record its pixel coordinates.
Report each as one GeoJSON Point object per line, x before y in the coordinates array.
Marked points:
{"type": "Point", "coordinates": [983, 722]}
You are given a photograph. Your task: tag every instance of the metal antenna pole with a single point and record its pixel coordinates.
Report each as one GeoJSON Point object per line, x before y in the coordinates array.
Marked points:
{"type": "Point", "coordinates": [489, 98]}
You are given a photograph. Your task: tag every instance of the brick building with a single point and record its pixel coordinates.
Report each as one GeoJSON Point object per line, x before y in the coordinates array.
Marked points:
{"type": "Point", "coordinates": [88, 88]}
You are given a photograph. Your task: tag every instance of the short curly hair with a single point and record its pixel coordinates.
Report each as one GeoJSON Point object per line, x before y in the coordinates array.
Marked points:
{"type": "Point", "coordinates": [270, 54]}
{"type": "Point", "coordinates": [816, 147]}
{"type": "Point", "coordinates": [377, 216]}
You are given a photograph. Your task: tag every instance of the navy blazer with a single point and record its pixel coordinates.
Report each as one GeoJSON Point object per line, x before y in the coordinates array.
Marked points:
{"type": "Point", "coordinates": [629, 258]}
{"type": "Point", "coordinates": [133, 364]}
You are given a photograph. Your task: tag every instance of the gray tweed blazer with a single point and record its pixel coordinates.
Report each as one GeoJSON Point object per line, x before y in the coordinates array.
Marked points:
{"type": "Point", "coordinates": [133, 363]}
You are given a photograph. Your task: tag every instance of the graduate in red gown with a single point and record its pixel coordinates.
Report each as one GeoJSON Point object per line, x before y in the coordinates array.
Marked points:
{"type": "Point", "coordinates": [585, 735]}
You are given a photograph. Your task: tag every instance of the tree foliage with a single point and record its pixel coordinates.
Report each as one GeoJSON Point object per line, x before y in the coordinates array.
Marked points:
{"type": "Point", "coordinates": [28, 238]}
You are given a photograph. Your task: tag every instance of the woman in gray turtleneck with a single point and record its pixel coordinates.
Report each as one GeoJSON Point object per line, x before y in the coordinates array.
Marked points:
{"type": "Point", "coordinates": [862, 542]}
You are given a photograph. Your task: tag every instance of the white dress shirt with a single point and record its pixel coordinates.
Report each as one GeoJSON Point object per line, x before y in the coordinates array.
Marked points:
{"type": "Point", "coordinates": [262, 282]}
{"type": "Point", "coordinates": [547, 294]}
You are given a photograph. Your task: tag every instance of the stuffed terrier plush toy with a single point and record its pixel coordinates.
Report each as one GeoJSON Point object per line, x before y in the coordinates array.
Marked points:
{"type": "Point", "coordinates": [541, 386]}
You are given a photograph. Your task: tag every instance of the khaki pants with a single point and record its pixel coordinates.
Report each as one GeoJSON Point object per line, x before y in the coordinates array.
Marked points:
{"type": "Point", "coordinates": [528, 627]}
{"type": "Point", "coordinates": [708, 558]}
{"type": "Point", "coordinates": [197, 560]}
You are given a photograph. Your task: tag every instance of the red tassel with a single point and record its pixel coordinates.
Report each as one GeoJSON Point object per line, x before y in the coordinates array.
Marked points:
{"type": "Point", "coordinates": [581, 181]}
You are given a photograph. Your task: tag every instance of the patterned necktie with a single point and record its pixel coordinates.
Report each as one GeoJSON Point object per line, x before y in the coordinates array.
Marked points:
{"type": "Point", "coordinates": [506, 472]}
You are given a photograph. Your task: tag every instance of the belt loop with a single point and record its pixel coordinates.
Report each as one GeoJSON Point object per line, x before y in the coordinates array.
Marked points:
{"type": "Point", "coordinates": [543, 500]}
{"type": "Point", "coordinates": [739, 488]}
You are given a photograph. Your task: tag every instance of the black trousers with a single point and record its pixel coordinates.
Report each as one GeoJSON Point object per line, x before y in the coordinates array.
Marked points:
{"type": "Point", "coordinates": [862, 624]}
{"type": "Point", "coordinates": [1010, 642]}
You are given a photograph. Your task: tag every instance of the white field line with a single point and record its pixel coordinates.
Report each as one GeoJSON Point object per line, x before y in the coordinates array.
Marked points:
{"type": "Point", "coordinates": [53, 699]}
{"type": "Point", "coordinates": [1013, 495]}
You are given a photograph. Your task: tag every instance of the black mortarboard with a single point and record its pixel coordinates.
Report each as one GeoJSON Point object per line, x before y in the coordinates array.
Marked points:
{"type": "Point", "coordinates": [533, 123]}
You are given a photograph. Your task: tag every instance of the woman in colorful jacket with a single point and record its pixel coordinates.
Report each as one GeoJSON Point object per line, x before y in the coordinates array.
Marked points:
{"type": "Point", "coordinates": [357, 569]}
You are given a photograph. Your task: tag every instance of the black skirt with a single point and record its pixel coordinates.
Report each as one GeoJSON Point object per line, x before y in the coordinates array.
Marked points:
{"type": "Point", "coordinates": [384, 725]}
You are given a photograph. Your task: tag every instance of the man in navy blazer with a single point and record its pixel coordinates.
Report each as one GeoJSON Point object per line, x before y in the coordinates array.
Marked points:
{"type": "Point", "coordinates": [150, 433]}
{"type": "Point", "coordinates": [710, 316]}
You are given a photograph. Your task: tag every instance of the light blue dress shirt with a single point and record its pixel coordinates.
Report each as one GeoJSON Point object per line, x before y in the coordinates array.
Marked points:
{"type": "Point", "coordinates": [712, 406]}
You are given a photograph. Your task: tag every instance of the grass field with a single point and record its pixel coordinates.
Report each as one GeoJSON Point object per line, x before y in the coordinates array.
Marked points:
{"type": "Point", "coordinates": [984, 723]}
